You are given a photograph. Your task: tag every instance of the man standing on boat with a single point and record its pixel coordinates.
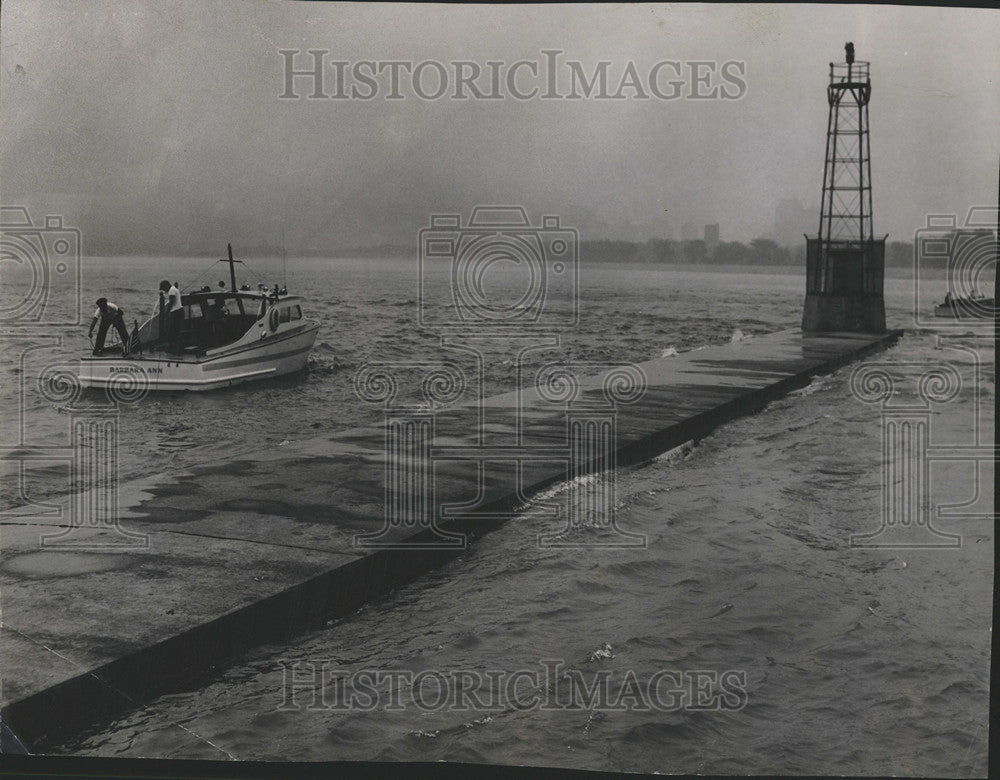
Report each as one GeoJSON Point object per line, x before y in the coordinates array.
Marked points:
{"type": "Point", "coordinates": [173, 316]}
{"type": "Point", "coordinates": [109, 315]}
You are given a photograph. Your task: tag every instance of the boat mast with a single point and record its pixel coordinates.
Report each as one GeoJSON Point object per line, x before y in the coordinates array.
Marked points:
{"type": "Point", "coordinates": [232, 278]}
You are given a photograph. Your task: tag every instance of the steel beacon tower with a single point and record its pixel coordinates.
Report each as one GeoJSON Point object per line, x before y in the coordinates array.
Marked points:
{"type": "Point", "coordinates": [845, 263]}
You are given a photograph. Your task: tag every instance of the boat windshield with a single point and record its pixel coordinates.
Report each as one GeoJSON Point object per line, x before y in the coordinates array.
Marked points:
{"type": "Point", "coordinates": [215, 319]}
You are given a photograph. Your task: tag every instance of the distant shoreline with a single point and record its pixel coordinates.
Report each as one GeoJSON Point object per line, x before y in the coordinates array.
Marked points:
{"type": "Point", "coordinates": [894, 272]}
{"type": "Point", "coordinates": [760, 252]}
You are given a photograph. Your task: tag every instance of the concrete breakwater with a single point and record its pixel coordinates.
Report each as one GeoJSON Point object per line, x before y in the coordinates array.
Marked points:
{"type": "Point", "coordinates": [257, 549]}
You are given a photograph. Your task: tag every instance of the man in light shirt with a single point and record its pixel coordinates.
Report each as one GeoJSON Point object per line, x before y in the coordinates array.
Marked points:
{"type": "Point", "coordinates": [109, 315]}
{"type": "Point", "coordinates": [172, 316]}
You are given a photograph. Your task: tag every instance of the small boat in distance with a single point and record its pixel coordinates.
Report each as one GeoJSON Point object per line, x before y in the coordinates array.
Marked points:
{"type": "Point", "coordinates": [228, 337]}
{"type": "Point", "coordinates": [975, 307]}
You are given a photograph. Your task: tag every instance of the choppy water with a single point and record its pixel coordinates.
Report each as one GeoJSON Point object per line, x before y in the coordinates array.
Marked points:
{"type": "Point", "coordinates": [368, 311]}
{"type": "Point", "coordinates": [853, 661]}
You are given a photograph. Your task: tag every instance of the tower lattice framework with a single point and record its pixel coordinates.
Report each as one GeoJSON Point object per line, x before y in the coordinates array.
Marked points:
{"type": "Point", "coordinates": [845, 263]}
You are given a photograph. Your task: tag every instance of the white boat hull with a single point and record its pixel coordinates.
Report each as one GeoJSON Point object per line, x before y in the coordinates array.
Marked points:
{"type": "Point", "coordinates": [284, 352]}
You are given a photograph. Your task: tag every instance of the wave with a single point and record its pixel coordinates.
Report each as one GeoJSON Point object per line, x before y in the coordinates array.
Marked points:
{"type": "Point", "coordinates": [604, 652]}
{"type": "Point", "coordinates": [677, 454]}
{"type": "Point", "coordinates": [818, 384]}
{"type": "Point", "coordinates": [736, 336]}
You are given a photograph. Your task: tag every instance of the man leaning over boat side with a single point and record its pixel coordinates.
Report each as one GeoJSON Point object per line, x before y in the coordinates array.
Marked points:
{"type": "Point", "coordinates": [109, 315]}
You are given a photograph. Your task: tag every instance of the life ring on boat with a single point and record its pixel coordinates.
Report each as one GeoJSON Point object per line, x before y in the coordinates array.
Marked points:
{"type": "Point", "coordinates": [272, 319]}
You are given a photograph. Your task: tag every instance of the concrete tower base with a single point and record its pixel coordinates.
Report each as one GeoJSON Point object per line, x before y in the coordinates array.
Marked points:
{"type": "Point", "coordinates": [843, 313]}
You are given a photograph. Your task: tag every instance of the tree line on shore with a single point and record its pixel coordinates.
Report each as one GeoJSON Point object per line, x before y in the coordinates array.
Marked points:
{"type": "Point", "coordinates": [760, 251]}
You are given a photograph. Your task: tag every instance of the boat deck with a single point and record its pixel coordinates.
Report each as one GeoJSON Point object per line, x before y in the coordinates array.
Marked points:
{"type": "Point", "coordinates": [155, 352]}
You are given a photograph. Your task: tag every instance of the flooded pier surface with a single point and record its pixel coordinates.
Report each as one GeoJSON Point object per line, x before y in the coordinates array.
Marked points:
{"type": "Point", "coordinates": [238, 553]}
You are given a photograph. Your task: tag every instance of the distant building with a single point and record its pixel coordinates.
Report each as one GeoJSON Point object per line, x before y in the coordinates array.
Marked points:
{"type": "Point", "coordinates": [711, 237]}
{"type": "Point", "coordinates": [791, 221]}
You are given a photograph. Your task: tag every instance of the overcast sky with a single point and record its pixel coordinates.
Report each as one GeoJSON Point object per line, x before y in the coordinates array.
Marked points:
{"type": "Point", "coordinates": [158, 126]}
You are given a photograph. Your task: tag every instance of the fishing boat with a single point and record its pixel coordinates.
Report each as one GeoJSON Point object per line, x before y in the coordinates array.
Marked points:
{"type": "Point", "coordinates": [972, 308]}
{"type": "Point", "coordinates": [228, 337]}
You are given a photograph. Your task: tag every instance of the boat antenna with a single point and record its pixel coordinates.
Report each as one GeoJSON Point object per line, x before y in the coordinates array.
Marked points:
{"type": "Point", "coordinates": [284, 260]}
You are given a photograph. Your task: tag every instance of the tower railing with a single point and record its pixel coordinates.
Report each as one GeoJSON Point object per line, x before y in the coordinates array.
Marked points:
{"type": "Point", "coordinates": [844, 74]}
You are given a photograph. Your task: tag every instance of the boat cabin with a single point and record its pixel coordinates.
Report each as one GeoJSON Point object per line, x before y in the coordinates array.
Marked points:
{"type": "Point", "coordinates": [217, 318]}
